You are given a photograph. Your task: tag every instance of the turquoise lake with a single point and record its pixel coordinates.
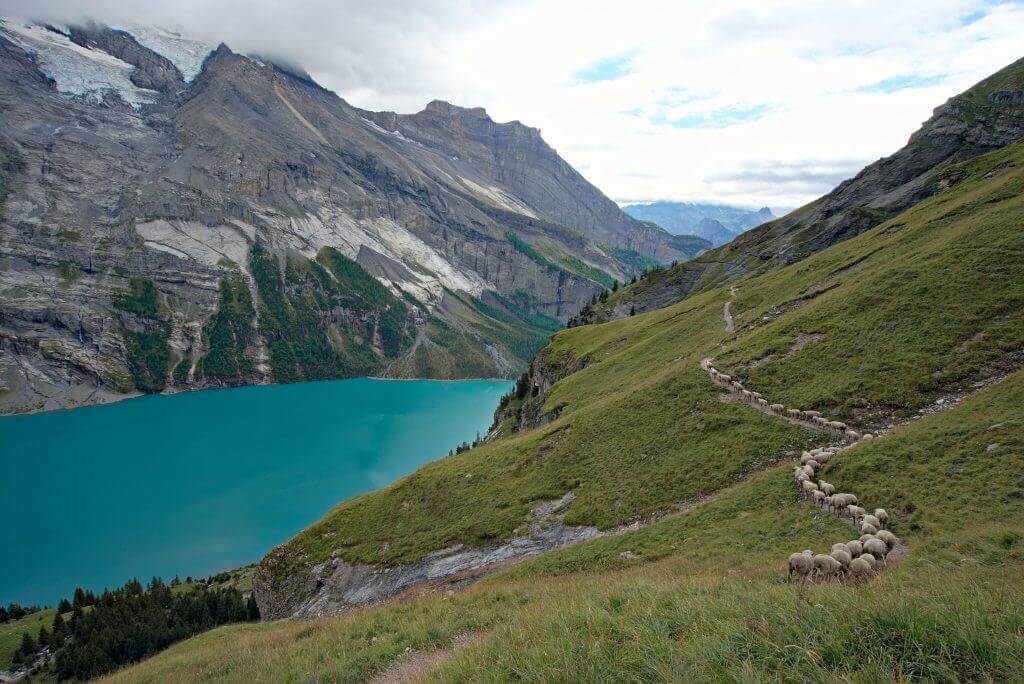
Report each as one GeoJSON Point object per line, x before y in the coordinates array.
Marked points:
{"type": "Point", "coordinates": [199, 482]}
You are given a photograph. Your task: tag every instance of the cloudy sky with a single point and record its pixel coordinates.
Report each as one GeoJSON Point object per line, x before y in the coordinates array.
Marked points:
{"type": "Point", "coordinates": [754, 103]}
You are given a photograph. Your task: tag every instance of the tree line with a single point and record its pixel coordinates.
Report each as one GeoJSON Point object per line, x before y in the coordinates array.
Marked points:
{"type": "Point", "coordinates": [127, 624]}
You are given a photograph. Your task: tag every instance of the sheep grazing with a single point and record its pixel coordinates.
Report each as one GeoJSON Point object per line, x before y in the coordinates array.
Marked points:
{"type": "Point", "coordinates": [856, 513]}
{"type": "Point", "coordinates": [861, 569]}
{"type": "Point", "coordinates": [888, 538]}
{"type": "Point", "coordinates": [870, 560]}
{"type": "Point", "coordinates": [809, 469]}
{"type": "Point", "coordinates": [843, 557]}
{"type": "Point", "coordinates": [801, 564]}
{"type": "Point", "coordinates": [882, 515]}
{"type": "Point", "coordinates": [837, 502]}
{"type": "Point", "coordinates": [867, 528]}
{"type": "Point", "coordinates": [809, 487]}
{"type": "Point", "coordinates": [828, 489]}
{"type": "Point", "coordinates": [855, 547]}
{"type": "Point", "coordinates": [762, 401]}
{"type": "Point", "coordinates": [872, 520]}
{"type": "Point", "coordinates": [812, 414]}
{"type": "Point", "coordinates": [724, 377]}
{"type": "Point", "coordinates": [867, 435]}
{"type": "Point", "coordinates": [819, 497]}
{"type": "Point", "coordinates": [793, 413]}
{"type": "Point", "coordinates": [853, 434]}
{"type": "Point", "coordinates": [826, 566]}
{"type": "Point", "coordinates": [840, 546]}
{"type": "Point", "coordinates": [778, 408]}
{"type": "Point", "coordinates": [801, 476]}
{"type": "Point", "coordinates": [758, 395]}
{"type": "Point", "coordinates": [805, 457]}
{"type": "Point", "coordinates": [823, 457]}
{"type": "Point", "coordinates": [866, 537]}
{"type": "Point", "coordinates": [747, 394]}
{"type": "Point", "coordinates": [876, 547]}
{"type": "Point", "coordinates": [837, 425]}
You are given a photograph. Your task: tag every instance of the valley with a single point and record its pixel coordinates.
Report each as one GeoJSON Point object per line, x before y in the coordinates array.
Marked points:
{"type": "Point", "coordinates": [459, 416]}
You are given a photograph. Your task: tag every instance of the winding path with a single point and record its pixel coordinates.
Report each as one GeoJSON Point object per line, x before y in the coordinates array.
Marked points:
{"type": "Point", "coordinates": [815, 493]}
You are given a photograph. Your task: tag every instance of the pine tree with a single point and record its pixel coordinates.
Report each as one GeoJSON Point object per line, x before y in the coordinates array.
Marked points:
{"type": "Point", "coordinates": [44, 636]}
{"type": "Point", "coordinates": [615, 286]}
{"type": "Point", "coordinates": [64, 606]}
{"type": "Point", "coordinates": [79, 599]}
{"type": "Point", "coordinates": [28, 649]}
{"type": "Point", "coordinates": [4, 615]}
{"type": "Point", "coordinates": [632, 310]}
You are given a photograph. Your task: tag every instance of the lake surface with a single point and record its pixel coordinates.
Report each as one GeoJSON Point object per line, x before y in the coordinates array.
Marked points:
{"type": "Point", "coordinates": [199, 482]}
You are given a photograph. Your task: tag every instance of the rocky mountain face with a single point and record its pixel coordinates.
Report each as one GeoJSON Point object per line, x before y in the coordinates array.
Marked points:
{"type": "Point", "coordinates": [987, 117]}
{"type": "Point", "coordinates": [179, 216]}
{"type": "Point", "coordinates": [716, 223]}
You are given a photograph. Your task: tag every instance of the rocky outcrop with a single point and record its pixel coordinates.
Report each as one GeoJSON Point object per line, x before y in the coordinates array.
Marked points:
{"type": "Point", "coordinates": [334, 586]}
{"type": "Point", "coordinates": [126, 173]}
{"type": "Point", "coordinates": [985, 118]}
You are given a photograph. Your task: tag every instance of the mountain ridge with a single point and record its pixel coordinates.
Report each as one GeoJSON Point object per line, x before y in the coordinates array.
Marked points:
{"type": "Point", "coordinates": [168, 189]}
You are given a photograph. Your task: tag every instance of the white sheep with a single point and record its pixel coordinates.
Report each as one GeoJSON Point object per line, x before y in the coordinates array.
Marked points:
{"type": "Point", "coordinates": [758, 395]}
{"type": "Point", "coordinates": [870, 560]}
{"type": "Point", "coordinates": [872, 520]}
{"type": "Point", "coordinates": [812, 414]}
{"type": "Point", "coordinates": [888, 538]}
{"type": "Point", "coordinates": [856, 513]}
{"type": "Point", "coordinates": [867, 435]}
{"type": "Point", "coordinates": [724, 377]}
{"type": "Point", "coordinates": [843, 557]}
{"type": "Point", "coordinates": [853, 434]}
{"type": "Point", "coordinates": [826, 566]}
{"type": "Point", "coordinates": [819, 497]}
{"type": "Point", "coordinates": [837, 425]}
{"type": "Point", "coordinates": [840, 546]}
{"type": "Point", "coordinates": [876, 547]}
{"type": "Point", "coordinates": [861, 569]}
{"type": "Point", "coordinates": [837, 502]}
{"type": "Point", "coordinates": [855, 547]}
{"type": "Point", "coordinates": [827, 488]}
{"type": "Point", "coordinates": [882, 515]}
{"type": "Point", "coordinates": [866, 537]}
{"type": "Point", "coordinates": [793, 413]}
{"type": "Point", "coordinates": [778, 408]}
{"type": "Point", "coordinates": [801, 476]}
{"type": "Point", "coordinates": [809, 469]}
{"type": "Point", "coordinates": [809, 486]}
{"type": "Point", "coordinates": [801, 563]}
{"type": "Point", "coordinates": [806, 456]}
{"type": "Point", "coordinates": [866, 528]}
{"type": "Point", "coordinates": [823, 457]}
{"type": "Point", "coordinates": [762, 401]}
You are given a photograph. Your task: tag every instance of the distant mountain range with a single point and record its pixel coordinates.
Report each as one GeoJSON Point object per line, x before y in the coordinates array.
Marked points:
{"type": "Point", "coordinates": [716, 223]}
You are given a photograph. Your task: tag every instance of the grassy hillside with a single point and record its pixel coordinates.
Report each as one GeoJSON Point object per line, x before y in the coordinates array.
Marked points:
{"type": "Point", "coordinates": [923, 307]}
{"type": "Point", "coordinates": [707, 598]}
{"type": "Point", "coordinates": [10, 633]}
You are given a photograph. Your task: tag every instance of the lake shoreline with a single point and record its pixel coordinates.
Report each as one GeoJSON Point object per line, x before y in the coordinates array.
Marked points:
{"type": "Point", "coordinates": [111, 398]}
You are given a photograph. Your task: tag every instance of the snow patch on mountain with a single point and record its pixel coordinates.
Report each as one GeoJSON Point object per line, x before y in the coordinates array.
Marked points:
{"type": "Point", "coordinates": [186, 54]}
{"type": "Point", "coordinates": [78, 71]}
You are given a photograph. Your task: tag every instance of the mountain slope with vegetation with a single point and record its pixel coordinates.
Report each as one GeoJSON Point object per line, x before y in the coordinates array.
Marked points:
{"type": "Point", "coordinates": [233, 196]}
{"type": "Point", "coordinates": [985, 118]}
{"type": "Point", "coordinates": [870, 330]}
{"type": "Point", "coordinates": [682, 500]}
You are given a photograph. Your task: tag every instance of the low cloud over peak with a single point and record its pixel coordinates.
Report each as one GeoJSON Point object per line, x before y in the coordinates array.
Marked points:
{"type": "Point", "coordinates": [732, 101]}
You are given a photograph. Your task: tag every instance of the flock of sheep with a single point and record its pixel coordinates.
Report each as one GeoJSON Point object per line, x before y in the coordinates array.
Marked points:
{"type": "Point", "coordinates": [858, 559]}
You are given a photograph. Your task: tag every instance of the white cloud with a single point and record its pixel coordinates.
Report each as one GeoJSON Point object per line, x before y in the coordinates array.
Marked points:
{"type": "Point", "coordinates": [755, 103]}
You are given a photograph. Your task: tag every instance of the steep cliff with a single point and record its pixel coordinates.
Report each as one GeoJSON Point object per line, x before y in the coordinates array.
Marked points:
{"type": "Point", "coordinates": [246, 201]}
